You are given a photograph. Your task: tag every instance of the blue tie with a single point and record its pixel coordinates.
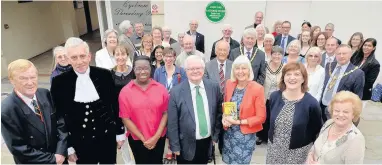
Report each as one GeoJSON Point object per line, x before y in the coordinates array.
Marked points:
{"type": "Point", "coordinates": [283, 43]}
{"type": "Point", "coordinates": [249, 55]}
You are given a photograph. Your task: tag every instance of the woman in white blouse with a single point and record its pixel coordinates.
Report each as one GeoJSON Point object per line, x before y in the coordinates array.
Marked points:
{"type": "Point", "coordinates": [260, 30]}
{"type": "Point", "coordinates": [269, 40]}
{"type": "Point", "coordinates": [105, 58]}
{"type": "Point", "coordinates": [316, 73]}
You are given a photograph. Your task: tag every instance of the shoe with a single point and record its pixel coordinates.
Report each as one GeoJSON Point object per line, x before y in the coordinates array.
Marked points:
{"type": "Point", "coordinates": [210, 160]}
{"type": "Point", "coordinates": [169, 156]}
{"type": "Point", "coordinates": [259, 141]}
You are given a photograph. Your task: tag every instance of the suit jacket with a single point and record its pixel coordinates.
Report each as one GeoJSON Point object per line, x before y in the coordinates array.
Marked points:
{"type": "Point", "coordinates": [279, 37]}
{"type": "Point", "coordinates": [181, 117]}
{"type": "Point", "coordinates": [176, 47]}
{"type": "Point", "coordinates": [258, 63]}
{"type": "Point", "coordinates": [251, 26]}
{"type": "Point", "coordinates": [371, 69]}
{"type": "Point", "coordinates": [354, 82]}
{"type": "Point", "coordinates": [125, 41]}
{"type": "Point", "coordinates": [323, 58]}
{"type": "Point", "coordinates": [232, 45]}
{"type": "Point", "coordinates": [252, 106]}
{"type": "Point", "coordinates": [28, 139]}
{"type": "Point", "coordinates": [212, 70]}
{"type": "Point", "coordinates": [63, 91]}
{"type": "Point", "coordinates": [199, 43]}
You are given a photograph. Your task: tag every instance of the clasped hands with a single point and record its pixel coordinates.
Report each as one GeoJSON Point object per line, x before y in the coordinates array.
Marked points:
{"type": "Point", "coordinates": [228, 121]}
{"type": "Point", "coordinates": [151, 142]}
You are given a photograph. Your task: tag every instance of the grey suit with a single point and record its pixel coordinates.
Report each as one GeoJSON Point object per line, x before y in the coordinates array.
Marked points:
{"type": "Point", "coordinates": [212, 70]}
{"type": "Point", "coordinates": [323, 59]}
{"type": "Point", "coordinates": [181, 124]}
{"type": "Point", "coordinates": [125, 41]}
{"type": "Point", "coordinates": [258, 63]}
{"type": "Point", "coordinates": [30, 140]}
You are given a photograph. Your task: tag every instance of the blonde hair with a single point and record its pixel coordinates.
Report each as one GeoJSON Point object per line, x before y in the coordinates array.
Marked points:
{"type": "Point", "coordinates": [17, 66]}
{"type": "Point", "coordinates": [242, 59]}
{"type": "Point", "coordinates": [295, 42]}
{"type": "Point", "coordinates": [144, 38]}
{"type": "Point", "coordinates": [346, 96]}
{"type": "Point", "coordinates": [55, 51]}
{"type": "Point", "coordinates": [275, 25]}
{"type": "Point", "coordinates": [315, 50]}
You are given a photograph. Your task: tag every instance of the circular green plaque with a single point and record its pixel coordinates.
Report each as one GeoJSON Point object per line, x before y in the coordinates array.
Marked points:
{"type": "Point", "coordinates": [215, 11]}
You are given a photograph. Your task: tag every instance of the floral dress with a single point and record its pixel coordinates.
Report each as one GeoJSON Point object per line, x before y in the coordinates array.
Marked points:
{"type": "Point", "coordinates": [238, 147]}
{"type": "Point", "coordinates": [278, 152]}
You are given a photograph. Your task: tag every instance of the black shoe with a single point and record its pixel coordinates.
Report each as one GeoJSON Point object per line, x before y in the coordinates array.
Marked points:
{"type": "Point", "coordinates": [210, 160]}
{"type": "Point", "coordinates": [259, 141]}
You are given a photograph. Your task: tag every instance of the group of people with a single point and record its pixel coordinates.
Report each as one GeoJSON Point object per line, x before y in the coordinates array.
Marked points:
{"type": "Point", "coordinates": [301, 96]}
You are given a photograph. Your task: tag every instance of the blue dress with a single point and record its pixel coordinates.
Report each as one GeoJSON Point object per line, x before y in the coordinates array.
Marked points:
{"type": "Point", "coordinates": [238, 147]}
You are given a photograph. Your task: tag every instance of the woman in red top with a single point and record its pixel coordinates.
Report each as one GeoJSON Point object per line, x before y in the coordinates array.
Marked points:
{"type": "Point", "coordinates": [143, 108]}
{"type": "Point", "coordinates": [277, 28]}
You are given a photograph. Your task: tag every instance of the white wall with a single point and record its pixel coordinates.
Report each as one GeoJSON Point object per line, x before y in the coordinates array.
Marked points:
{"type": "Point", "coordinates": [81, 21]}
{"type": "Point", "coordinates": [93, 15]}
{"type": "Point", "coordinates": [348, 17]}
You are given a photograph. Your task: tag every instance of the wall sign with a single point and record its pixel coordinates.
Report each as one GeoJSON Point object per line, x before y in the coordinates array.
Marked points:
{"type": "Point", "coordinates": [134, 11]}
{"type": "Point", "coordinates": [215, 11]}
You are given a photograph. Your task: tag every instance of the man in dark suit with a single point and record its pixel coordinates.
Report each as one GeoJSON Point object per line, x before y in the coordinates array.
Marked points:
{"type": "Point", "coordinates": [227, 32]}
{"type": "Point", "coordinates": [329, 29]}
{"type": "Point", "coordinates": [86, 97]}
{"type": "Point", "coordinates": [194, 115]}
{"type": "Point", "coordinates": [31, 129]}
{"type": "Point", "coordinates": [259, 16]}
{"type": "Point", "coordinates": [256, 56]}
{"type": "Point", "coordinates": [341, 76]}
{"type": "Point", "coordinates": [284, 38]}
{"type": "Point", "coordinates": [330, 48]}
{"type": "Point", "coordinates": [198, 38]}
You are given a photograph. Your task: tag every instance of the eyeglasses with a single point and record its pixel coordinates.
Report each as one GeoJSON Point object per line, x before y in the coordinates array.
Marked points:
{"type": "Point", "coordinates": [195, 69]}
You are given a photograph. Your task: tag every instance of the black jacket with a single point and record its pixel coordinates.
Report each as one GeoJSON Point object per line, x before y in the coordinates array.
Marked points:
{"type": "Point", "coordinates": [232, 45]}
{"type": "Point", "coordinates": [28, 139]}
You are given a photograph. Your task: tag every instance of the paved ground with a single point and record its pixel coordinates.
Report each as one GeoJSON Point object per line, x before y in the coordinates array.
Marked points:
{"type": "Point", "coordinates": [370, 125]}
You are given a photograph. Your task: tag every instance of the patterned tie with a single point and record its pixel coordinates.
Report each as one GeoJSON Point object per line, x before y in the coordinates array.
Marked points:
{"type": "Point", "coordinates": [221, 76]}
{"type": "Point", "coordinates": [249, 55]}
{"type": "Point", "coordinates": [330, 86]}
{"type": "Point", "coordinates": [37, 110]}
{"type": "Point", "coordinates": [203, 130]}
{"type": "Point", "coordinates": [283, 43]}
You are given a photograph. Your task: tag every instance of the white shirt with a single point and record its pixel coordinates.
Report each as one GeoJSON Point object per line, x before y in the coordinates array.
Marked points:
{"type": "Point", "coordinates": [224, 66]}
{"type": "Point", "coordinates": [342, 71]}
{"type": "Point", "coordinates": [246, 50]}
{"type": "Point", "coordinates": [206, 109]}
{"type": "Point", "coordinates": [27, 100]}
{"type": "Point", "coordinates": [316, 82]}
{"type": "Point", "coordinates": [329, 59]}
{"type": "Point", "coordinates": [104, 60]}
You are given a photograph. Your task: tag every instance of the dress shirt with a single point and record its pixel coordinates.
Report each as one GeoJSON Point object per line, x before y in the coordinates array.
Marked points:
{"type": "Point", "coordinates": [202, 91]}
{"type": "Point", "coordinates": [246, 50]}
{"type": "Point", "coordinates": [329, 59]}
{"type": "Point", "coordinates": [224, 66]}
{"type": "Point", "coordinates": [343, 69]}
{"type": "Point", "coordinates": [27, 100]}
{"type": "Point", "coordinates": [285, 41]}
{"type": "Point", "coordinates": [316, 82]}
{"type": "Point", "coordinates": [193, 35]}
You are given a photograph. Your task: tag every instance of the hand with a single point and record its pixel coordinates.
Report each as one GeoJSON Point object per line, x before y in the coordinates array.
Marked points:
{"type": "Point", "coordinates": [150, 143]}
{"type": "Point", "coordinates": [72, 158]}
{"type": "Point", "coordinates": [232, 121]}
{"type": "Point", "coordinates": [120, 144]}
{"type": "Point", "coordinates": [226, 123]}
{"type": "Point", "coordinates": [311, 160]}
{"type": "Point", "coordinates": [177, 153]}
{"type": "Point", "coordinates": [59, 158]}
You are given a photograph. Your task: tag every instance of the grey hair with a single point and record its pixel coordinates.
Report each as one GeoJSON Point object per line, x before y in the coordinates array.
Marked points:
{"type": "Point", "coordinates": [269, 36]}
{"type": "Point", "coordinates": [222, 42]}
{"type": "Point", "coordinates": [330, 25]}
{"type": "Point", "coordinates": [295, 42]}
{"type": "Point", "coordinates": [227, 26]}
{"type": "Point", "coordinates": [166, 28]}
{"type": "Point", "coordinates": [58, 49]}
{"type": "Point", "coordinates": [195, 58]}
{"type": "Point", "coordinates": [182, 33]}
{"type": "Point", "coordinates": [74, 42]}
{"type": "Point", "coordinates": [186, 36]}
{"type": "Point", "coordinates": [260, 26]}
{"type": "Point", "coordinates": [242, 59]}
{"type": "Point", "coordinates": [250, 32]}
{"type": "Point", "coordinates": [107, 32]}
{"type": "Point", "coordinates": [124, 26]}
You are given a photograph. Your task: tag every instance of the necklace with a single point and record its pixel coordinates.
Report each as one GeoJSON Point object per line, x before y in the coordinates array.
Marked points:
{"type": "Point", "coordinates": [334, 78]}
{"type": "Point", "coordinates": [253, 55]}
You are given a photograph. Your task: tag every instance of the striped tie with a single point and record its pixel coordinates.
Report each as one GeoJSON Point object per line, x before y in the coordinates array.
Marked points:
{"type": "Point", "coordinates": [221, 76]}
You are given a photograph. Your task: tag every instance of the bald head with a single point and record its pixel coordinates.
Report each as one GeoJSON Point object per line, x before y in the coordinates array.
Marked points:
{"type": "Point", "coordinates": [222, 50]}
{"type": "Point", "coordinates": [188, 44]}
{"type": "Point", "coordinates": [259, 17]}
{"type": "Point", "coordinates": [194, 25]}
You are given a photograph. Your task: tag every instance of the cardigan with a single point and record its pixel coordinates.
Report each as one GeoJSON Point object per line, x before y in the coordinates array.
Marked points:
{"type": "Point", "coordinates": [307, 119]}
{"type": "Point", "coordinates": [252, 107]}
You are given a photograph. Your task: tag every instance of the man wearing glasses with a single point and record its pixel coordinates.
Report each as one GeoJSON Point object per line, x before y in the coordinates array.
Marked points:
{"type": "Point", "coordinates": [284, 38]}
{"type": "Point", "coordinates": [227, 32]}
{"type": "Point", "coordinates": [31, 129]}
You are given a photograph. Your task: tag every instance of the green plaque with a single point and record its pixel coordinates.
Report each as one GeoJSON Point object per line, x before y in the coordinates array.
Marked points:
{"type": "Point", "coordinates": [215, 11]}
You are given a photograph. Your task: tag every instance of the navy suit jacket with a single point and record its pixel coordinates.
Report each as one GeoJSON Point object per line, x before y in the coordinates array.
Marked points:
{"type": "Point", "coordinates": [181, 124]}
{"type": "Point", "coordinates": [199, 43]}
{"type": "Point", "coordinates": [353, 82]}
{"type": "Point", "coordinates": [279, 37]}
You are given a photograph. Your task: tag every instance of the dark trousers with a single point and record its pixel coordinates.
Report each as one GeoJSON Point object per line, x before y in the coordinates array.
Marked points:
{"type": "Point", "coordinates": [142, 155]}
{"type": "Point", "coordinates": [94, 151]}
{"type": "Point", "coordinates": [263, 134]}
{"type": "Point", "coordinates": [323, 109]}
{"type": "Point", "coordinates": [201, 153]}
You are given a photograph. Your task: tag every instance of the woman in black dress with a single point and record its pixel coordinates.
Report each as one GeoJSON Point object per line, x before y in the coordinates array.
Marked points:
{"type": "Point", "coordinates": [122, 72]}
